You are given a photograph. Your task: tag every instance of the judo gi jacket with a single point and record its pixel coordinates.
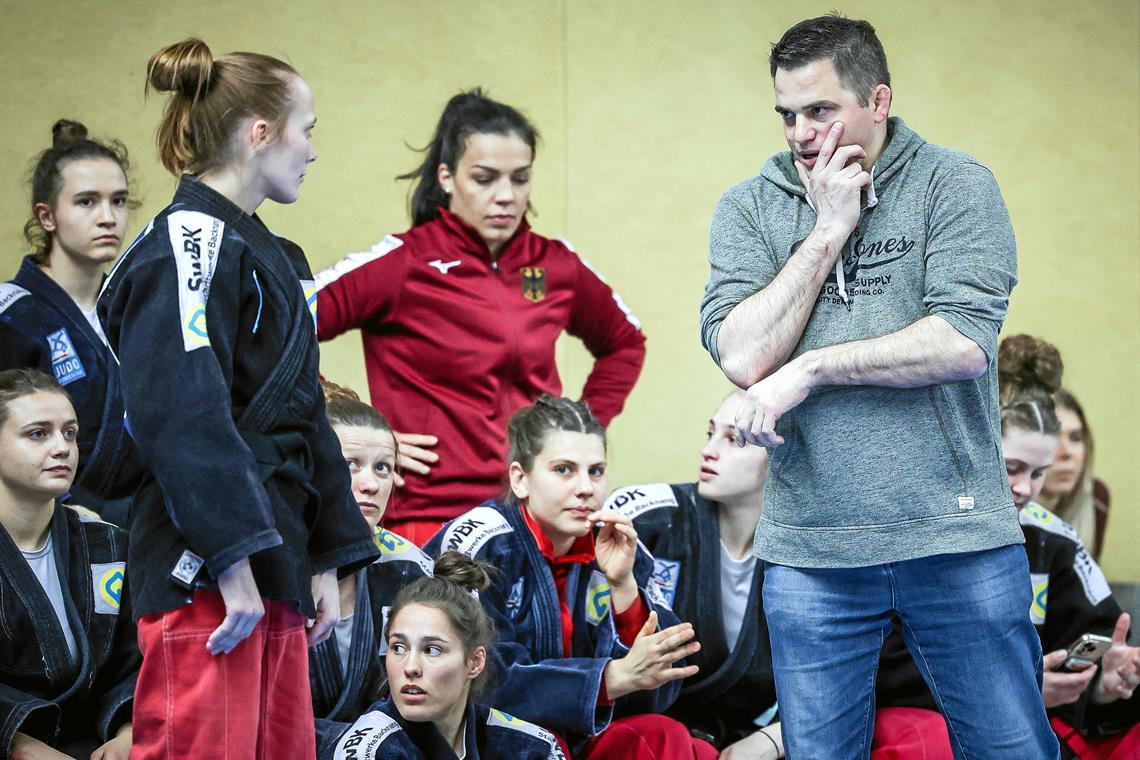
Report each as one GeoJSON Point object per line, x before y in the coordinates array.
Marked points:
{"type": "Point", "coordinates": [734, 687]}
{"type": "Point", "coordinates": [210, 316]}
{"type": "Point", "coordinates": [342, 695]}
{"type": "Point", "coordinates": [381, 733]}
{"type": "Point", "coordinates": [43, 692]}
{"type": "Point", "coordinates": [41, 327]}
{"type": "Point", "coordinates": [533, 678]}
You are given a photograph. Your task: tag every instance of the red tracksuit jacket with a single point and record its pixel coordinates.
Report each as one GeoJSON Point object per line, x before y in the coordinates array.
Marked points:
{"type": "Point", "coordinates": [455, 343]}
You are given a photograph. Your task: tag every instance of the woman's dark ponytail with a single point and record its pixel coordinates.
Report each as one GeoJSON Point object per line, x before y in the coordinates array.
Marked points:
{"type": "Point", "coordinates": [466, 114]}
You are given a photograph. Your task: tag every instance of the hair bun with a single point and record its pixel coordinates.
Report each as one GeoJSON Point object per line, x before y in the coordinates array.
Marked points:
{"type": "Point", "coordinates": [1026, 363]}
{"type": "Point", "coordinates": [184, 67]}
{"type": "Point", "coordinates": [463, 571]}
{"type": "Point", "coordinates": [334, 392]}
{"type": "Point", "coordinates": [66, 131]}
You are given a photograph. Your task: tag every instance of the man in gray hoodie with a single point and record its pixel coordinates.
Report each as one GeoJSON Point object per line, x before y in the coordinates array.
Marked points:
{"type": "Point", "coordinates": [857, 289]}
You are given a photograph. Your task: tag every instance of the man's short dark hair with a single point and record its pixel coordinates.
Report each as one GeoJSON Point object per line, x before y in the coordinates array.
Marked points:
{"type": "Point", "coordinates": [850, 44]}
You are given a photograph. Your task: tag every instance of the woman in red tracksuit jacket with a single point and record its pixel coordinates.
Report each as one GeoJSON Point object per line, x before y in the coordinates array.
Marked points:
{"type": "Point", "coordinates": [461, 314]}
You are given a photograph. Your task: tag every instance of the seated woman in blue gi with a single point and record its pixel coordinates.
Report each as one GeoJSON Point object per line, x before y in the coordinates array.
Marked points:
{"type": "Point", "coordinates": [68, 657]}
{"type": "Point", "coordinates": [79, 201]}
{"type": "Point", "coordinates": [700, 535]}
{"type": "Point", "coordinates": [438, 638]}
{"type": "Point", "coordinates": [579, 648]}
{"type": "Point", "coordinates": [345, 670]}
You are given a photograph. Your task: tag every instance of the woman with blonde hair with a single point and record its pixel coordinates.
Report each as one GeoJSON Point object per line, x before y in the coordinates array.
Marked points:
{"type": "Point", "coordinates": [1071, 491]}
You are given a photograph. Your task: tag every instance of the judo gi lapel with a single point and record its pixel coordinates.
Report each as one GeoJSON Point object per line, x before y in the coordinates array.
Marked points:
{"type": "Point", "coordinates": [37, 605]}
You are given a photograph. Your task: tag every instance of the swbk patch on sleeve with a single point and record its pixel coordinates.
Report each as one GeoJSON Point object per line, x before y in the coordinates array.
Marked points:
{"type": "Point", "coordinates": [634, 501]}
{"type": "Point", "coordinates": [9, 294]}
{"type": "Point", "coordinates": [469, 532]}
{"type": "Point", "coordinates": [363, 737]}
{"type": "Point", "coordinates": [196, 239]}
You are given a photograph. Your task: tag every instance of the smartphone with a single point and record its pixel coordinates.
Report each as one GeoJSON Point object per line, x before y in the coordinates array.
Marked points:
{"type": "Point", "coordinates": [1085, 651]}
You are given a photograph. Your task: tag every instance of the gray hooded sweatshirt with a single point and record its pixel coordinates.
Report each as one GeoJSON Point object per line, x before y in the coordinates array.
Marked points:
{"type": "Point", "coordinates": [869, 475]}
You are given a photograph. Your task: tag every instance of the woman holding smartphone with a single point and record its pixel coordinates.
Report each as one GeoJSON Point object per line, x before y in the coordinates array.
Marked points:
{"type": "Point", "coordinates": [246, 516]}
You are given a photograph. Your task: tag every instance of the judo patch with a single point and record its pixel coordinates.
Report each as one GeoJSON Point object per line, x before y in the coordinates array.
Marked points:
{"type": "Point", "coordinates": [663, 582]}
{"type": "Point", "coordinates": [533, 281]}
{"type": "Point", "coordinates": [309, 289]}
{"type": "Point", "coordinates": [1040, 604]}
{"type": "Point", "coordinates": [396, 548]}
{"type": "Point", "coordinates": [514, 599]}
{"type": "Point", "coordinates": [364, 737]}
{"type": "Point", "coordinates": [634, 501]}
{"type": "Point", "coordinates": [107, 580]}
{"type": "Point", "coordinates": [598, 597]}
{"type": "Point", "coordinates": [9, 294]}
{"type": "Point", "coordinates": [469, 532]}
{"type": "Point", "coordinates": [65, 364]}
{"type": "Point", "coordinates": [502, 720]}
{"type": "Point", "coordinates": [196, 239]}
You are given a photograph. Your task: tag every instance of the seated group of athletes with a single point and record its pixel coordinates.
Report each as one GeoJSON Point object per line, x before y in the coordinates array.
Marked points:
{"type": "Point", "coordinates": [561, 618]}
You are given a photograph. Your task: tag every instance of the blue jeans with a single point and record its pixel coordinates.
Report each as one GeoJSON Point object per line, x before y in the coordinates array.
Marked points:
{"type": "Point", "coordinates": [966, 621]}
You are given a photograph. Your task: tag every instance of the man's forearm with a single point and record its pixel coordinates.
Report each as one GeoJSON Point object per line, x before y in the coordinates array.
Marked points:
{"type": "Point", "coordinates": [927, 352]}
{"type": "Point", "coordinates": [760, 332]}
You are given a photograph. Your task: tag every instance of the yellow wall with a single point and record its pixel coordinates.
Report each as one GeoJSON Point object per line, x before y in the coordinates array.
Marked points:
{"type": "Point", "coordinates": [649, 110]}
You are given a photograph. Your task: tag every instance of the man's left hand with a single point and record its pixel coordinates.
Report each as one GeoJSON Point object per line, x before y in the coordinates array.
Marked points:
{"type": "Point", "coordinates": [768, 400]}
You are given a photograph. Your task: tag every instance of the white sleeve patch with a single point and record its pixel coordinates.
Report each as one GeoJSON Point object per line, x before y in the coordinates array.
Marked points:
{"type": "Point", "coordinates": [1039, 607]}
{"type": "Point", "coordinates": [196, 239]}
{"type": "Point", "coordinates": [365, 736]}
{"type": "Point", "coordinates": [107, 580]}
{"type": "Point", "coordinates": [1091, 576]}
{"type": "Point", "coordinates": [598, 598]}
{"type": "Point", "coordinates": [396, 548]}
{"type": "Point", "coordinates": [634, 501]}
{"type": "Point", "coordinates": [469, 532]}
{"type": "Point", "coordinates": [9, 294]}
{"type": "Point", "coordinates": [354, 261]}
{"type": "Point", "coordinates": [628, 312]}
{"type": "Point", "coordinates": [501, 719]}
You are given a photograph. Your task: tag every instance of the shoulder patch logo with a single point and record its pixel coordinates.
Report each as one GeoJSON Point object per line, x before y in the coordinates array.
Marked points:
{"type": "Point", "coordinates": [533, 281]}
{"type": "Point", "coordinates": [503, 720]}
{"type": "Point", "coordinates": [1036, 515]}
{"type": "Point", "coordinates": [598, 596]}
{"type": "Point", "coordinates": [383, 649]}
{"type": "Point", "coordinates": [514, 599]}
{"type": "Point", "coordinates": [634, 501]}
{"type": "Point", "coordinates": [1040, 604]}
{"type": "Point", "coordinates": [396, 548]}
{"type": "Point", "coordinates": [65, 364]}
{"type": "Point", "coordinates": [364, 737]}
{"type": "Point", "coordinates": [9, 294]}
{"type": "Point", "coordinates": [107, 580]}
{"type": "Point", "coordinates": [469, 532]}
{"type": "Point", "coordinates": [196, 239]}
{"type": "Point", "coordinates": [666, 572]}
{"type": "Point", "coordinates": [309, 289]}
